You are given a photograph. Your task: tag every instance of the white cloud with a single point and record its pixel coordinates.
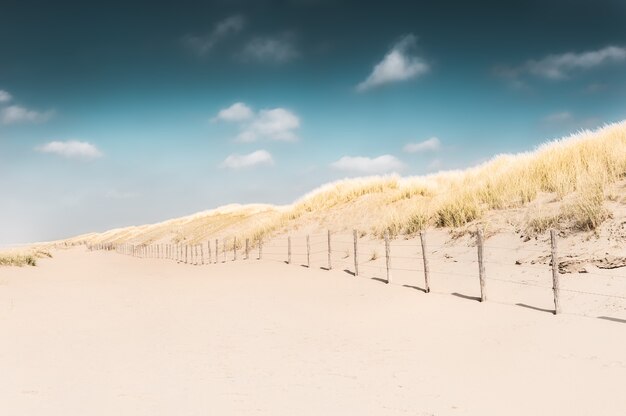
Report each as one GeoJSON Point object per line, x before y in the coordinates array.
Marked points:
{"type": "Point", "coordinates": [236, 112]}
{"type": "Point", "coordinates": [5, 96]}
{"type": "Point", "coordinates": [277, 124]}
{"type": "Point", "coordinates": [71, 149]}
{"type": "Point", "coordinates": [562, 66]}
{"type": "Point", "coordinates": [273, 49]}
{"type": "Point", "coordinates": [560, 117]}
{"type": "Point", "coordinates": [398, 65]}
{"type": "Point", "coordinates": [16, 114]}
{"type": "Point", "coordinates": [362, 164]}
{"type": "Point", "coordinates": [202, 45]}
{"type": "Point", "coordinates": [236, 161]}
{"type": "Point", "coordinates": [431, 144]}
{"type": "Point", "coordinates": [274, 124]}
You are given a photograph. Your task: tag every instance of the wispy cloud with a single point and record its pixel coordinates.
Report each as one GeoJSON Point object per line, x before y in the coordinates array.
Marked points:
{"type": "Point", "coordinates": [277, 124]}
{"type": "Point", "coordinates": [14, 114]}
{"type": "Point", "coordinates": [71, 149]}
{"type": "Point", "coordinates": [117, 194]}
{"type": "Point", "coordinates": [563, 66]}
{"type": "Point", "coordinates": [5, 97]}
{"type": "Point", "coordinates": [431, 144]}
{"type": "Point", "coordinates": [564, 121]}
{"type": "Point", "coordinates": [257, 158]}
{"type": "Point", "coordinates": [362, 164]}
{"type": "Point", "coordinates": [202, 45]}
{"type": "Point", "coordinates": [398, 65]}
{"type": "Point", "coordinates": [435, 164]}
{"type": "Point", "coordinates": [558, 117]}
{"type": "Point", "coordinates": [236, 112]}
{"type": "Point", "coordinates": [277, 49]}
{"type": "Point", "coordinates": [595, 88]}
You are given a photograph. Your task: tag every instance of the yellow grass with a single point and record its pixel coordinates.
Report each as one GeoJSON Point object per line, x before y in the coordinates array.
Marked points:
{"type": "Point", "coordinates": [22, 259]}
{"type": "Point", "coordinates": [574, 170]}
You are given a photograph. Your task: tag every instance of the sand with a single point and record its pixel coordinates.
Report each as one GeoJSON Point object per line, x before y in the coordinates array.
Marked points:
{"type": "Point", "coordinates": [99, 333]}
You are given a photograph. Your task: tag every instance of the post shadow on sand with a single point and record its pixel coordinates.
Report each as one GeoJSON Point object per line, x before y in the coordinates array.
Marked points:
{"type": "Point", "coordinates": [350, 272]}
{"type": "Point", "coordinates": [421, 289]}
{"type": "Point", "coordinates": [608, 318]}
{"type": "Point", "coordinates": [523, 305]}
{"type": "Point", "coordinates": [460, 295]}
{"type": "Point", "coordinates": [379, 279]}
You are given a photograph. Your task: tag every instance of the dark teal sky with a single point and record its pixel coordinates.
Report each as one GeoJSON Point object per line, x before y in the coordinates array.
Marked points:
{"type": "Point", "coordinates": [109, 113]}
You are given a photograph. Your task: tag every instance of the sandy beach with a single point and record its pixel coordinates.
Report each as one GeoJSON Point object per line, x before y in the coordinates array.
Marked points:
{"type": "Point", "coordinates": [100, 333]}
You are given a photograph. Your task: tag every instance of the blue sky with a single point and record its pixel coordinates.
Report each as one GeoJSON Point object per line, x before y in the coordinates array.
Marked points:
{"type": "Point", "coordinates": [118, 114]}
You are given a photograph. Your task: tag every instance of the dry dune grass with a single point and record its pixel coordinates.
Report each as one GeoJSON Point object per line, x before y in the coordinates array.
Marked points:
{"type": "Point", "coordinates": [22, 258]}
{"type": "Point", "coordinates": [575, 171]}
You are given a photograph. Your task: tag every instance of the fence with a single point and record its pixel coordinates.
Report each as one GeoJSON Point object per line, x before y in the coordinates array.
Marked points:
{"type": "Point", "coordinates": [465, 273]}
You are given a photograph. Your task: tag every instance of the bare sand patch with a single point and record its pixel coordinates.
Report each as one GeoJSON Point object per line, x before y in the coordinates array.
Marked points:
{"type": "Point", "coordinates": [99, 333]}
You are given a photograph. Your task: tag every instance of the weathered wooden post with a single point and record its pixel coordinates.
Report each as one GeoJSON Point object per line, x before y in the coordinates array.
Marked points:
{"type": "Point", "coordinates": [481, 266]}
{"type": "Point", "coordinates": [224, 250]}
{"type": "Point", "coordinates": [555, 272]}
{"type": "Point", "coordinates": [288, 249]}
{"type": "Point", "coordinates": [425, 258]}
{"type": "Point", "coordinates": [247, 248]}
{"type": "Point", "coordinates": [388, 256]}
{"type": "Point", "coordinates": [330, 264]}
{"type": "Point", "coordinates": [234, 248]}
{"type": "Point", "coordinates": [260, 248]}
{"type": "Point", "coordinates": [186, 253]}
{"type": "Point", "coordinates": [355, 237]}
{"type": "Point", "coordinates": [308, 251]}
{"type": "Point", "coordinates": [208, 250]}
{"type": "Point", "coordinates": [216, 250]}
{"type": "Point", "coordinates": [202, 254]}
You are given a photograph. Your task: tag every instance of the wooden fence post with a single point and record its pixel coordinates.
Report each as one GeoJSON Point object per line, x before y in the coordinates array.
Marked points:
{"type": "Point", "coordinates": [260, 248]}
{"type": "Point", "coordinates": [186, 253]}
{"type": "Point", "coordinates": [388, 256]}
{"type": "Point", "coordinates": [356, 252]}
{"type": "Point", "coordinates": [481, 266]}
{"type": "Point", "coordinates": [288, 249]}
{"type": "Point", "coordinates": [216, 250]}
{"type": "Point", "coordinates": [330, 264]}
{"type": "Point", "coordinates": [208, 249]}
{"type": "Point", "coordinates": [247, 248]}
{"type": "Point", "coordinates": [425, 258]}
{"type": "Point", "coordinates": [555, 272]}
{"type": "Point", "coordinates": [308, 252]}
{"type": "Point", "coordinates": [234, 248]}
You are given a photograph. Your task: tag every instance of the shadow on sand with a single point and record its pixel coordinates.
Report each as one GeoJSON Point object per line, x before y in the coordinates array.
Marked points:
{"type": "Point", "coordinates": [421, 289]}
{"type": "Point", "coordinates": [460, 295]}
{"type": "Point", "coordinates": [523, 305]}
{"type": "Point", "coordinates": [608, 318]}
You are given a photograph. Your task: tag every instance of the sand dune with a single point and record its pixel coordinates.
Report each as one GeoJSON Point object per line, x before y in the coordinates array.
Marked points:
{"type": "Point", "coordinates": [575, 184]}
{"type": "Point", "coordinates": [101, 333]}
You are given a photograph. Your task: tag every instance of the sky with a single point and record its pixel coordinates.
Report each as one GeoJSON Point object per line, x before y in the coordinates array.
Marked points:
{"type": "Point", "coordinates": [126, 113]}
